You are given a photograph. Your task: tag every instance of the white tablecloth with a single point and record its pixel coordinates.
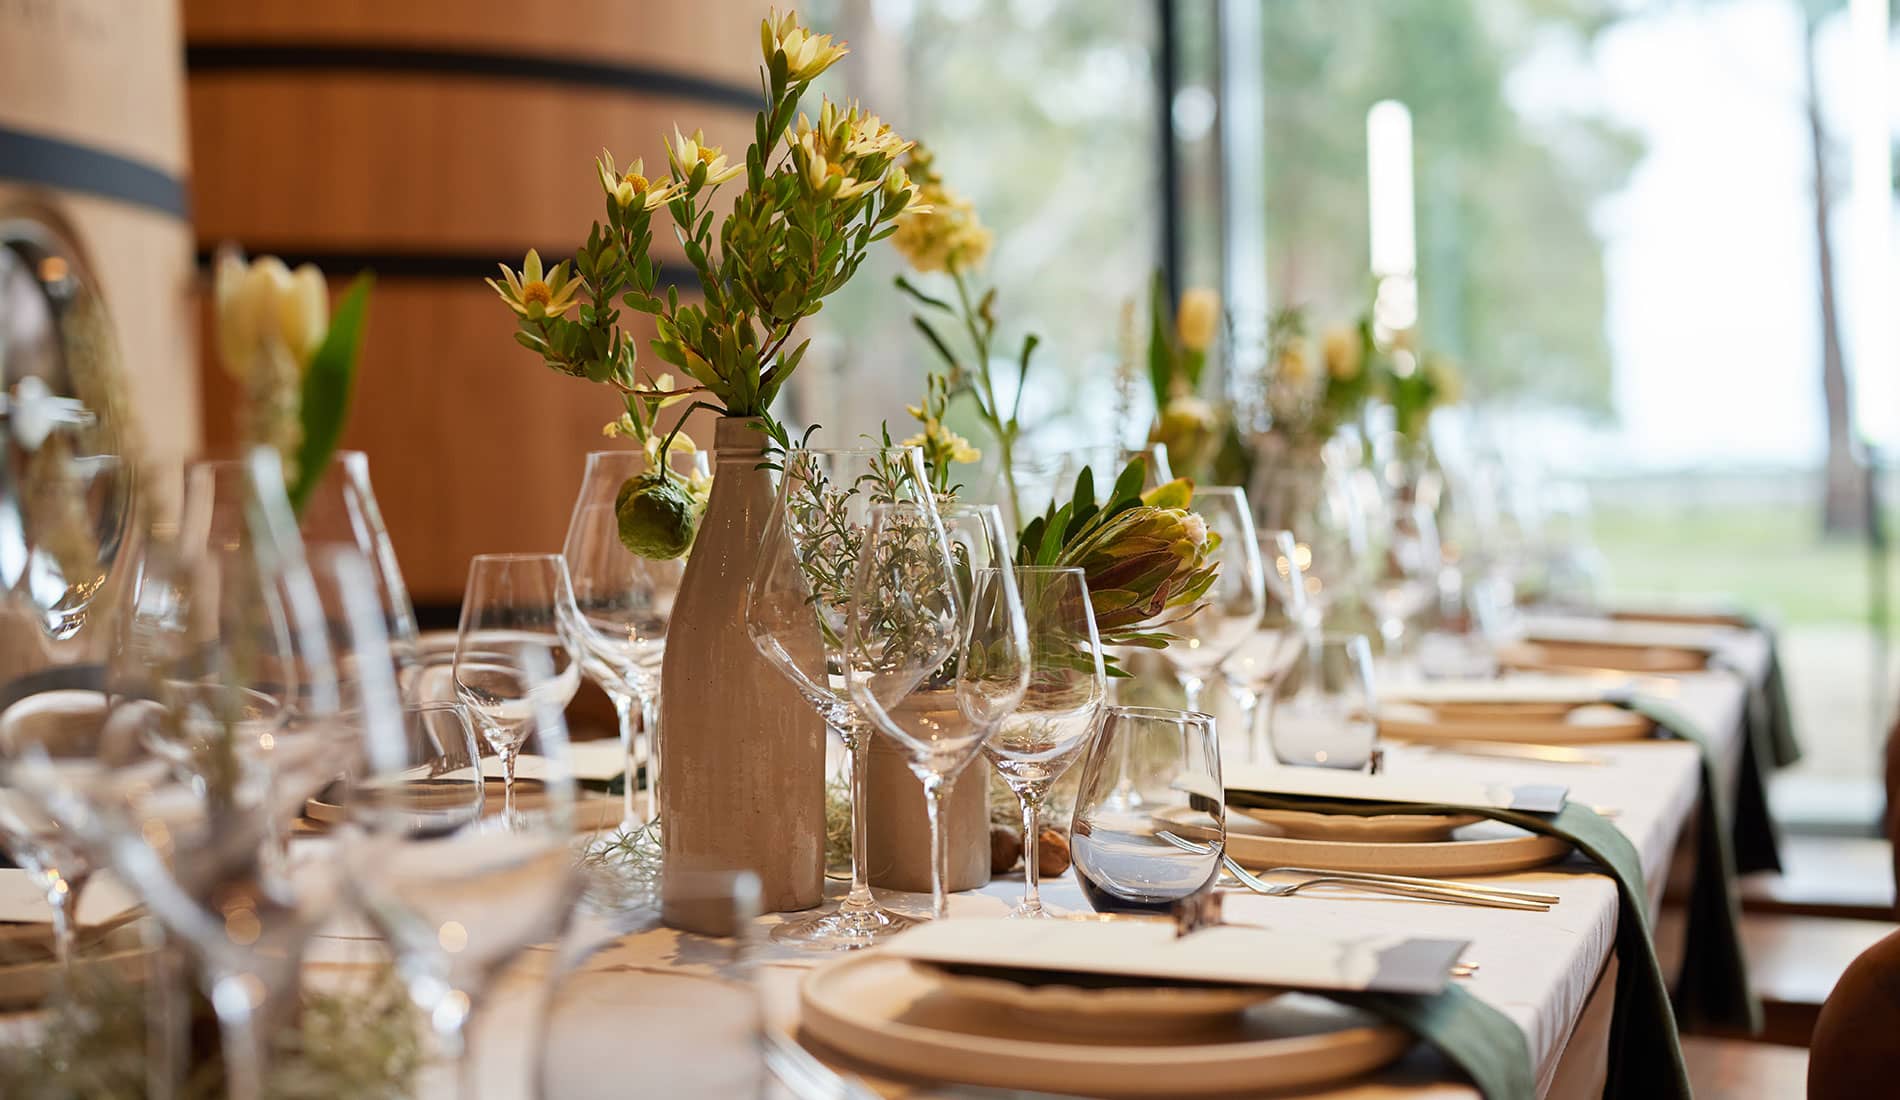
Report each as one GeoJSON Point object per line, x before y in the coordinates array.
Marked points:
{"type": "Point", "coordinates": [653, 1020]}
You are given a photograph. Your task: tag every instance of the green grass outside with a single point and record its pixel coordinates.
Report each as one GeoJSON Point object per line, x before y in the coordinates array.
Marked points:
{"type": "Point", "coordinates": [1767, 558]}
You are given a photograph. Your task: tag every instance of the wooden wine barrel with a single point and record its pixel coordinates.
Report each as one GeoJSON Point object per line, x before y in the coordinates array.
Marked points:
{"type": "Point", "coordinates": [92, 129]}
{"type": "Point", "coordinates": [429, 140]}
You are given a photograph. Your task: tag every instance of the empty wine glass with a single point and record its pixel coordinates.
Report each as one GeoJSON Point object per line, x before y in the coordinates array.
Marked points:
{"type": "Point", "coordinates": [804, 580]}
{"type": "Point", "coordinates": [1232, 606]}
{"type": "Point", "coordinates": [65, 723]}
{"type": "Point", "coordinates": [182, 783]}
{"type": "Point", "coordinates": [1319, 507]}
{"type": "Point", "coordinates": [1329, 718]}
{"type": "Point", "coordinates": [514, 651]}
{"type": "Point", "coordinates": [1261, 662]}
{"type": "Point", "coordinates": [932, 676]}
{"type": "Point", "coordinates": [458, 892]}
{"type": "Point", "coordinates": [1403, 562]}
{"type": "Point", "coordinates": [1037, 741]}
{"type": "Point", "coordinates": [1148, 771]}
{"type": "Point", "coordinates": [341, 510]}
{"type": "Point", "coordinates": [625, 603]}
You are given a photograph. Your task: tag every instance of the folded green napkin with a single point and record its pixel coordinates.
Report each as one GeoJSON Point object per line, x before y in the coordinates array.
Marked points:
{"type": "Point", "coordinates": [1645, 1057]}
{"type": "Point", "coordinates": [1713, 988]}
{"type": "Point", "coordinates": [1476, 1037]}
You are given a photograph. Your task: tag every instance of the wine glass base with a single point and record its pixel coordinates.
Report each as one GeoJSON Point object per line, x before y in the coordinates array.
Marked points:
{"type": "Point", "coordinates": [843, 929]}
{"type": "Point", "coordinates": [1024, 911]}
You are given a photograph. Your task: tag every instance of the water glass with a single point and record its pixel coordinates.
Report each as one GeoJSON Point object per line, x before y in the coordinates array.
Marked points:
{"type": "Point", "coordinates": [1329, 717]}
{"type": "Point", "coordinates": [1149, 771]}
{"type": "Point", "coordinates": [1257, 667]}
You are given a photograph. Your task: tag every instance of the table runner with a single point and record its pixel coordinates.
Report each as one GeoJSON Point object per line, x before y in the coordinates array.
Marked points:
{"type": "Point", "coordinates": [1713, 988]}
{"type": "Point", "coordinates": [1645, 1053]}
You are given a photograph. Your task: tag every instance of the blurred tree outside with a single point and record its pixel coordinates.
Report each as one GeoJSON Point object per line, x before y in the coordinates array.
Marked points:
{"type": "Point", "coordinates": [1511, 270]}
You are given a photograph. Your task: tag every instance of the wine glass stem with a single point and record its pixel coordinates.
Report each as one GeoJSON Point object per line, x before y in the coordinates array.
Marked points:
{"type": "Point", "coordinates": [939, 851]}
{"type": "Point", "coordinates": [508, 757]}
{"type": "Point", "coordinates": [243, 1042]}
{"type": "Point", "coordinates": [1032, 840]}
{"type": "Point", "coordinates": [859, 757]}
{"type": "Point", "coordinates": [1249, 701]}
{"type": "Point", "coordinates": [630, 772]}
{"type": "Point", "coordinates": [62, 894]}
{"type": "Point", "coordinates": [1191, 687]}
{"type": "Point", "coordinates": [650, 736]}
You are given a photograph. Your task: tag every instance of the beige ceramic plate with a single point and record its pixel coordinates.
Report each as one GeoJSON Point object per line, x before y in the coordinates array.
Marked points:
{"type": "Point", "coordinates": [120, 952]}
{"type": "Point", "coordinates": [592, 809]}
{"type": "Point", "coordinates": [1553, 656]}
{"type": "Point", "coordinates": [1308, 825]}
{"type": "Point", "coordinates": [1075, 1005]}
{"type": "Point", "coordinates": [1577, 725]}
{"type": "Point", "coordinates": [1486, 848]}
{"type": "Point", "coordinates": [885, 1012]}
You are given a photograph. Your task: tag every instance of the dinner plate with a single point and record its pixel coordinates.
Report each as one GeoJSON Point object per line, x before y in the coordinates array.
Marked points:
{"type": "Point", "coordinates": [1485, 848]}
{"type": "Point", "coordinates": [121, 952]}
{"type": "Point", "coordinates": [1572, 725]}
{"type": "Point", "coordinates": [1311, 825]}
{"type": "Point", "coordinates": [592, 810]}
{"type": "Point", "coordinates": [1554, 656]}
{"type": "Point", "coordinates": [1096, 1005]}
{"type": "Point", "coordinates": [885, 1012]}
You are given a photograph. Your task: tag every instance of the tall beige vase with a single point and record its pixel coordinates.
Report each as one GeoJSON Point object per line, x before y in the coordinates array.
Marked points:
{"type": "Point", "coordinates": [742, 785]}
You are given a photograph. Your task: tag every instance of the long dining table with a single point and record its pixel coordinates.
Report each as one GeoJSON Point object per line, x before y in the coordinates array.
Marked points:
{"type": "Point", "coordinates": [658, 1012]}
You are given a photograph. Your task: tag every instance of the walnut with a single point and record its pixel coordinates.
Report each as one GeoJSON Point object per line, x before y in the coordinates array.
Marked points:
{"type": "Point", "coordinates": [1052, 852]}
{"type": "Point", "coordinates": [1006, 849]}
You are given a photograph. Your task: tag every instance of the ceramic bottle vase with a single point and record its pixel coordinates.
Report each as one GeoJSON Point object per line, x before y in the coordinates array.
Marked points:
{"type": "Point", "coordinates": [744, 785]}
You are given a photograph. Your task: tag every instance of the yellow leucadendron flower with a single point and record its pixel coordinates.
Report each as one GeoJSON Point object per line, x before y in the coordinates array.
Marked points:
{"type": "Point", "coordinates": [633, 185]}
{"type": "Point", "coordinates": [534, 293]}
{"type": "Point", "coordinates": [939, 230]}
{"type": "Point", "coordinates": [825, 176]}
{"type": "Point", "coordinates": [1196, 318]}
{"type": "Point", "coordinates": [806, 54]}
{"type": "Point", "coordinates": [264, 308]}
{"type": "Point", "coordinates": [686, 153]}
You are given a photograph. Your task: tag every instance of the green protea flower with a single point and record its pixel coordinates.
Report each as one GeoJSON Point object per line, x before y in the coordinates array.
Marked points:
{"type": "Point", "coordinates": [1145, 556]}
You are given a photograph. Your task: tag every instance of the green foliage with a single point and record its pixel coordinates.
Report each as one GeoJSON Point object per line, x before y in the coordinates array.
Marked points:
{"type": "Point", "coordinates": [812, 204]}
{"type": "Point", "coordinates": [1510, 269]}
{"type": "Point", "coordinates": [327, 384]}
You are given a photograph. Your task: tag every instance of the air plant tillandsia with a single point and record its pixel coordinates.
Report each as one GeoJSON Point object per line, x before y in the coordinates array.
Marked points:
{"type": "Point", "coordinates": [1145, 556]}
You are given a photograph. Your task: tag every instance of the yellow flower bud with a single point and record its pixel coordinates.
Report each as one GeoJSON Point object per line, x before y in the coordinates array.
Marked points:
{"type": "Point", "coordinates": [264, 308]}
{"type": "Point", "coordinates": [1343, 353]}
{"type": "Point", "coordinates": [1197, 317]}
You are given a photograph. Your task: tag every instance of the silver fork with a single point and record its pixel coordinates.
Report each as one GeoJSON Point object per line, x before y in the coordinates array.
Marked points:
{"type": "Point", "coordinates": [1448, 893]}
{"type": "Point", "coordinates": [805, 1076]}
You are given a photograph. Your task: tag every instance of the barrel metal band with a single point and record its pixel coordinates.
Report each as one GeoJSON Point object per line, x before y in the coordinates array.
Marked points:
{"type": "Point", "coordinates": [69, 166]}
{"type": "Point", "coordinates": [230, 57]}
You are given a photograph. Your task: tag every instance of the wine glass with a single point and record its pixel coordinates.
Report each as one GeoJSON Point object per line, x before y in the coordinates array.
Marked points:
{"type": "Point", "coordinates": [625, 603]}
{"type": "Point", "coordinates": [1318, 506]}
{"type": "Point", "coordinates": [182, 784]}
{"type": "Point", "coordinates": [1261, 662]}
{"type": "Point", "coordinates": [807, 563]}
{"type": "Point", "coordinates": [1329, 719]}
{"type": "Point", "coordinates": [1403, 561]}
{"type": "Point", "coordinates": [932, 674]}
{"type": "Point", "coordinates": [1148, 771]}
{"type": "Point", "coordinates": [514, 652]}
{"type": "Point", "coordinates": [1047, 731]}
{"type": "Point", "coordinates": [689, 1034]}
{"type": "Point", "coordinates": [1231, 609]}
{"type": "Point", "coordinates": [68, 721]}
{"type": "Point", "coordinates": [341, 510]}
{"type": "Point", "coordinates": [458, 892]}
